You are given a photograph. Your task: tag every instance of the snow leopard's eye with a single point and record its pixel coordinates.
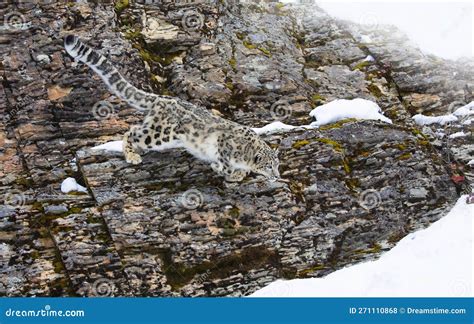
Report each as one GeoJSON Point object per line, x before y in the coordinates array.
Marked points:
{"type": "Point", "coordinates": [257, 158]}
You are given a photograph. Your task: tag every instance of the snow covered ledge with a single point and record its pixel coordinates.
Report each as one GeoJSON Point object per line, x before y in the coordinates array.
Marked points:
{"type": "Point", "coordinates": [71, 185]}
{"type": "Point", "coordinates": [433, 262]}
{"type": "Point", "coordinates": [342, 109]}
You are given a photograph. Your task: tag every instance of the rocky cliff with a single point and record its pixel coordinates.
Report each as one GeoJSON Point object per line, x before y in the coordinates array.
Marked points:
{"type": "Point", "coordinates": [171, 227]}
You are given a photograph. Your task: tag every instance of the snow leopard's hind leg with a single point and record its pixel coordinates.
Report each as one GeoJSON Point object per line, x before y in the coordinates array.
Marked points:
{"type": "Point", "coordinates": [157, 132]}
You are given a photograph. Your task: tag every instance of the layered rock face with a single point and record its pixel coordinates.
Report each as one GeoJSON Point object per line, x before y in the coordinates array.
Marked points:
{"type": "Point", "coordinates": [170, 226]}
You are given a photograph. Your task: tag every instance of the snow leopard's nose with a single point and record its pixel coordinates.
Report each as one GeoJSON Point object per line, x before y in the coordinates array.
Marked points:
{"type": "Point", "coordinates": [276, 173]}
{"type": "Point", "coordinates": [275, 176]}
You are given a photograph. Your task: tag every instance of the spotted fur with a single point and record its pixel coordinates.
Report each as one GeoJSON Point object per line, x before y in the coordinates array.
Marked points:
{"type": "Point", "coordinates": [233, 150]}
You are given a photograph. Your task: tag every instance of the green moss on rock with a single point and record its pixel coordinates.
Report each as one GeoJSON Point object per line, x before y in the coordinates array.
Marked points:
{"type": "Point", "coordinates": [361, 65]}
{"type": "Point", "coordinates": [233, 63]}
{"type": "Point", "coordinates": [229, 85]}
{"type": "Point", "coordinates": [404, 156]}
{"type": "Point", "coordinates": [375, 90]}
{"type": "Point", "coordinates": [178, 274]}
{"type": "Point", "coordinates": [337, 124]}
{"type": "Point", "coordinates": [336, 145]}
{"type": "Point", "coordinates": [265, 51]}
{"type": "Point", "coordinates": [121, 5]}
{"type": "Point", "coordinates": [249, 45]}
{"type": "Point", "coordinates": [306, 272]}
{"type": "Point", "coordinates": [375, 248]}
{"type": "Point", "coordinates": [234, 212]}
{"type": "Point", "coordinates": [299, 144]}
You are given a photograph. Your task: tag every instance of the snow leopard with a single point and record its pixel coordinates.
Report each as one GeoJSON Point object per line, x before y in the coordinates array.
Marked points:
{"type": "Point", "coordinates": [233, 150]}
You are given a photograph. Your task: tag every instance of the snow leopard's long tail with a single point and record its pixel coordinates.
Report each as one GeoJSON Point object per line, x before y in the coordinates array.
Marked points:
{"type": "Point", "coordinates": [109, 74]}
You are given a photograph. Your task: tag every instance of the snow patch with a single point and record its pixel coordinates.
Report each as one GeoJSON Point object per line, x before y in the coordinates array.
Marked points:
{"type": "Point", "coordinates": [114, 146]}
{"type": "Point", "coordinates": [273, 128]}
{"type": "Point", "coordinates": [341, 109]}
{"type": "Point", "coordinates": [42, 58]}
{"type": "Point", "coordinates": [434, 262]}
{"type": "Point", "coordinates": [429, 120]}
{"type": "Point", "coordinates": [369, 58]}
{"type": "Point", "coordinates": [365, 39]}
{"type": "Point", "coordinates": [458, 134]}
{"type": "Point", "coordinates": [466, 110]}
{"type": "Point", "coordinates": [70, 184]}
{"type": "Point", "coordinates": [4, 249]}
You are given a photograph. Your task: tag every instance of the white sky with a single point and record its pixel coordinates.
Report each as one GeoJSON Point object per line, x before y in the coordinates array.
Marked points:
{"type": "Point", "coordinates": [443, 28]}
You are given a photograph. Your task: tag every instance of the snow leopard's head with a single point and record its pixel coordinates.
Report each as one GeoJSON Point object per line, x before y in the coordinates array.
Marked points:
{"type": "Point", "coordinates": [266, 163]}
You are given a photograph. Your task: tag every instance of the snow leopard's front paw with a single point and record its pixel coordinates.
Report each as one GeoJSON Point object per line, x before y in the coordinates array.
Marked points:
{"type": "Point", "coordinates": [236, 176]}
{"type": "Point", "coordinates": [216, 167]}
{"type": "Point", "coordinates": [133, 158]}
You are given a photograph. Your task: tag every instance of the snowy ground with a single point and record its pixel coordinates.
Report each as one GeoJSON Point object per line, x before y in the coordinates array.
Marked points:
{"type": "Point", "coordinates": [434, 262]}
{"type": "Point", "coordinates": [114, 146]}
{"type": "Point", "coordinates": [71, 185]}
{"type": "Point", "coordinates": [463, 114]}
{"type": "Point", "coordinates": [342, 108]}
